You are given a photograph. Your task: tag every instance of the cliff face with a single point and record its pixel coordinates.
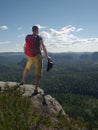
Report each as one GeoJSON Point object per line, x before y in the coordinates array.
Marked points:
{"type": "Point", "coordinates": [40, 100]}
{"type": "Point", "coordinates": [45, 108]}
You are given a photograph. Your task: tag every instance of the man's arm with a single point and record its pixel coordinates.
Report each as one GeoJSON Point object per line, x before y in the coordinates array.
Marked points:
{"type": "Point", "coordinates": [45, 51]}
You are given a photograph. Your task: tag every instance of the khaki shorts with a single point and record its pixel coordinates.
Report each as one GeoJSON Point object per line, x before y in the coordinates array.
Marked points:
{"type": "Point", "coordinates": [37, 61]}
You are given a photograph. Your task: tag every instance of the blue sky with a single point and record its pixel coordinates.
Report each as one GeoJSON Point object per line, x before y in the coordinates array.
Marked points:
{"type": "Point", "coordinates": [65, 25]}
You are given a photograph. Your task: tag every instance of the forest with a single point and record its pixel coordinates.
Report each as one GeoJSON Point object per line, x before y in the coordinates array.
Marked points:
{"type": "Point", "coordinates": [73, 81]}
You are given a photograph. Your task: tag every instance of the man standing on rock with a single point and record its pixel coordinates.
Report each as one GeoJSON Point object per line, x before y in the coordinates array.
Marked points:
{"type": "Point", "coordinates": [32, 49]}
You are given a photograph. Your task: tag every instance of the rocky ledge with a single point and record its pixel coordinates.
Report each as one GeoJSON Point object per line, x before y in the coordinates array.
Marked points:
{"type": "Point", "coordinates": [40, 100]}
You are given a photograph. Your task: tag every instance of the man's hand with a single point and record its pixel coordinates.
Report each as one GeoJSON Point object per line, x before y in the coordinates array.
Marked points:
{"type": "Point", "coordinates": [49, 59]}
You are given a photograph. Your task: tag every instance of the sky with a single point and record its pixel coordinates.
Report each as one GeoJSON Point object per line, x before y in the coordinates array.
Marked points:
{"type": "Point", "coordinates": [65, 25]}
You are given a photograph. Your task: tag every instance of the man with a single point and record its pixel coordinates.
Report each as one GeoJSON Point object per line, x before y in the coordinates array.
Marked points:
{"type": "Point", "coordinates": [32, 49]}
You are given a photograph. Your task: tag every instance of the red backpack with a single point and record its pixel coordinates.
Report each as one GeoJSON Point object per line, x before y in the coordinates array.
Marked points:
{"type": "Point", "coordinates": [32, 45]}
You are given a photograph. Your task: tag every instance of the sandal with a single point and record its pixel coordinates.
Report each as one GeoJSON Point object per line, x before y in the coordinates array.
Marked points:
{"type": "Point", "coordinates": [34, 93]}
{"type": "Point", "coordinates": [21, 83]}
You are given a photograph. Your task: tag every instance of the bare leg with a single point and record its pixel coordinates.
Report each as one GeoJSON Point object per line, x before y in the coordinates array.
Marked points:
{"type": "Point", "coordinates": [25, 73]}
{"type": "Point", "coordinates": [37, 79]}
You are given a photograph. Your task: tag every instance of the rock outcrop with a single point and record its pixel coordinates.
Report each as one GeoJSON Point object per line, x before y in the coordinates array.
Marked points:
{"type": "Point", "coordinates": [40, 100]}
{"type": "Point", "coordinates": [45, 109]}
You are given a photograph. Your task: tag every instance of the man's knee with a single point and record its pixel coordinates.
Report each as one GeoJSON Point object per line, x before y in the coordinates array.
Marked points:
{"type": "Point", "coordinates": [38, 77]}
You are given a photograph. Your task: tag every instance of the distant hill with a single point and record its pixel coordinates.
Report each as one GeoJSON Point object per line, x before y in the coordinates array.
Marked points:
{"type": "Point", "coordinates": [95, 56]}
{"type": "Point", "coordinates": [11, 57]}
{"type": "Point", "coordinates": [70, 59]}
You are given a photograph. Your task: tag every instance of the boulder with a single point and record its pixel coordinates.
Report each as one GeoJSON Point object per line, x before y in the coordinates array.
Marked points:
{"type": "Point", "coordinates": [40, 100]}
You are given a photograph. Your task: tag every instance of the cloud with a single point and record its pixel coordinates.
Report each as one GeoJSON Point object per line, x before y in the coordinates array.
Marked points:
{"type": "Point", "coordinates": [8, 46]}
{"type": "Point", "coordinates": [40, 27]}
{"type": "Point", "coordinates": [19, 28]}
{"type": "Point", "coordinates": [5, 42]}
{"type": "Point", "coordinates": [4, 27]}
{"type": "Point", "coordinates": [21, 35]}
{"type": "Point", "coordinates": [66, 39]}
{"type": "Point", "coordinates": [79, 29]}
{"type": "Point", "coordinates": [62, 36]}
